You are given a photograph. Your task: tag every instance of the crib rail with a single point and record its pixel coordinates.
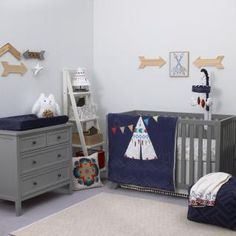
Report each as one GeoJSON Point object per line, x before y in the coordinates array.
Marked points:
{"type": "Point", "coordinates": [194, 116]}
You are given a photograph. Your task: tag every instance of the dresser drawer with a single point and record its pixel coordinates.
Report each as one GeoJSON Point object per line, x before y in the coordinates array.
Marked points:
{"type": "Point", "coordinates": [32, 142]}
{"type": "Point", "coordinates": [34, 184]}
{"type": "Point", "coordinates": [57, 137]}
{"type": "Point", "coordinates": [46, 158]}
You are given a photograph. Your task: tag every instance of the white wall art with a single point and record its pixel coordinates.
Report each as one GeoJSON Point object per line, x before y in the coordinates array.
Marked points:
{"type": "Point", "coordinates": [179, 64]}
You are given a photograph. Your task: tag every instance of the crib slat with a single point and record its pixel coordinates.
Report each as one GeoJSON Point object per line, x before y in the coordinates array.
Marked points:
{"type": "Point", "coordinates": [230, 150]}
{"type": "Point", "coordinates": [218, 146]}
{"type": "Point", "coordinates": [191, 156]}
{"type": "Point", "coordinates": [228, 167]}
{"type": "Point", "coordinates": [208, 157]}
{"type": "Point", "coordinates": [200, 149]}
{"type": "Point", "coordinates": [232, 160]}
{"type": "Point", "coordinates": [233, 150]}
{"type": "Point", "coordinates": [230, 163]}
{"type": "Point", "coordinates": [183, 154]}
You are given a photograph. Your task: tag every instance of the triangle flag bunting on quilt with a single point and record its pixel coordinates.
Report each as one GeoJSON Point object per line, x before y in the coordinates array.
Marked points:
{"type": "Point", "coordinates": [155, 118]}
{"type": "Point", "coordinates": [113, 130]}
{"type": "Point", "coordinates": [140, 146]}
{"type": "Point", "coordinates": [122, 129]}
{"type": "Point", "coordinates": [131, 127]}
{"type": "Point", "coordinates": [146, 121]}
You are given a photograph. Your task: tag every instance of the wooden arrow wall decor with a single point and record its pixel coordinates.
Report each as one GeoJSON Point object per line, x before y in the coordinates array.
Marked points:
{"type": "Point", "coordinates": [34, 55]}
{"type": "Point", "coordinates": [9, 48]}
{"type": "Point", "coordinates": [151, 62]}
{"type": "Point", "coordinates": [19, 69]}
{"type": "Point", "coordinates": [216, 62]}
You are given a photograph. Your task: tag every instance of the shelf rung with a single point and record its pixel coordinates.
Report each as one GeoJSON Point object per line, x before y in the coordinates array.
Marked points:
{"type": "Point", "coordinates": [86, 120]}
{"type": "Point", "coordinates": [77, 94]}
{"type": "Point", "coordinates": [88, 146]}
{"type": "Point", "coordinates": [103, 169]}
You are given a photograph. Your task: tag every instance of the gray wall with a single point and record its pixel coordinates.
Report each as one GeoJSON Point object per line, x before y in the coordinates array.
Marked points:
{"type": "Point", "coordinates": [124, 30]}
{"type": "Point", "coordinates": [64, 28]}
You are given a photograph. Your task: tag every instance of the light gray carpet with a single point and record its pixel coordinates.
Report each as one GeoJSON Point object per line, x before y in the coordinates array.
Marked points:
{"type": "Point", "coordinates": [39, 207]}
{"type": "Point", "coordinates": [109, 214]}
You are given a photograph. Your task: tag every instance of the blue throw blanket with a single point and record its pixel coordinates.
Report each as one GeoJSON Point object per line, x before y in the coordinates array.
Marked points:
{"type": "Point", "coordinates": [142, 150]}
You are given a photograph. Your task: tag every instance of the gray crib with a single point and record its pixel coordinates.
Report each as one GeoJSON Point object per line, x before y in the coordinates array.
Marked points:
{"type": "Point", "coordinates": [201, 146]}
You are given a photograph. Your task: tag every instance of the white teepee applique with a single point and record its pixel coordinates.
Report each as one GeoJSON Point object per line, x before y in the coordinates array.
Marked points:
{"type": "Point", "coordinates": [140, 146]}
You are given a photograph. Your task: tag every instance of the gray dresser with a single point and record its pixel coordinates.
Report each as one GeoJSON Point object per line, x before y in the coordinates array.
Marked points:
{"type": "Point", "coordinates": [34, 161]}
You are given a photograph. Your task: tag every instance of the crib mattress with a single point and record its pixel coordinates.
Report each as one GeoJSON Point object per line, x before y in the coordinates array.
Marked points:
{"type": "Point", "coordinates": [29, 121]}
{"type": "Point", "coordinates": [204, 149]}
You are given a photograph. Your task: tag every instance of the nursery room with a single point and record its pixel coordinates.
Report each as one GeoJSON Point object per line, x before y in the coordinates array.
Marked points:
{"type": "Point", "coordinates": [117, 118]}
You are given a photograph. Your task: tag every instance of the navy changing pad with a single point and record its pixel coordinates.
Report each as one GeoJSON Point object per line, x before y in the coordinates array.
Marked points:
{"type": "Point", "coordinates": [29, 121]}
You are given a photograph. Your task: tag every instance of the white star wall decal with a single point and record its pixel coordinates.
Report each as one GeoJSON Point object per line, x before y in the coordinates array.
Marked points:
{"type": "Point", "coordinates": [37, 69]}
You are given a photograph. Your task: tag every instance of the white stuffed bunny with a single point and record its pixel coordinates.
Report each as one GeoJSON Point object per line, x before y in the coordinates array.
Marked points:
{"type": "Point", "coordinates": [46, 106]}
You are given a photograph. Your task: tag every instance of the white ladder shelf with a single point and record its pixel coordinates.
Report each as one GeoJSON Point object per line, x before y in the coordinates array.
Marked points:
{"type": "Point", "coordinates": [69, 97]}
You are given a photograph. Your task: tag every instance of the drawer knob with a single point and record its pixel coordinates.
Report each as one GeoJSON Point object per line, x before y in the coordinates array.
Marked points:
{"type": "Point", "coordinates": [59, 175]}
{"type": "Point", "coordinates": [35, 183]}
{"type": "Point", "coordinates": [58, 155]}
{"type": "Point", "coordinates": [58, 137]}
{"type": "Point", "coordinates": [34, 142]}
{"type": "Point", "coordinates": [34, 162]}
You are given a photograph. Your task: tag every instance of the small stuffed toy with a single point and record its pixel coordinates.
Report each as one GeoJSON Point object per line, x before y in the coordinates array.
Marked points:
{"type": "Point", "coordinates": [46, 107]}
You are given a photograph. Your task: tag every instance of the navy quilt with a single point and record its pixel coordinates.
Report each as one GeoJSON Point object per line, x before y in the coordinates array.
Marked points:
{"type": "Point", "coordinates": [142, 150]}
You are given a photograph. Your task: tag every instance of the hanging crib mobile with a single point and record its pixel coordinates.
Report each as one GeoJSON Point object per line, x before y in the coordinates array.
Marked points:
{"type": "Point", "coordinates": [203, 100]}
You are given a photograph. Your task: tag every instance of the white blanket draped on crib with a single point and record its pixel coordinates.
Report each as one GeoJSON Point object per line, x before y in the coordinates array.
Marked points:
{"type": "Point", "coordinates": [204, 191]}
